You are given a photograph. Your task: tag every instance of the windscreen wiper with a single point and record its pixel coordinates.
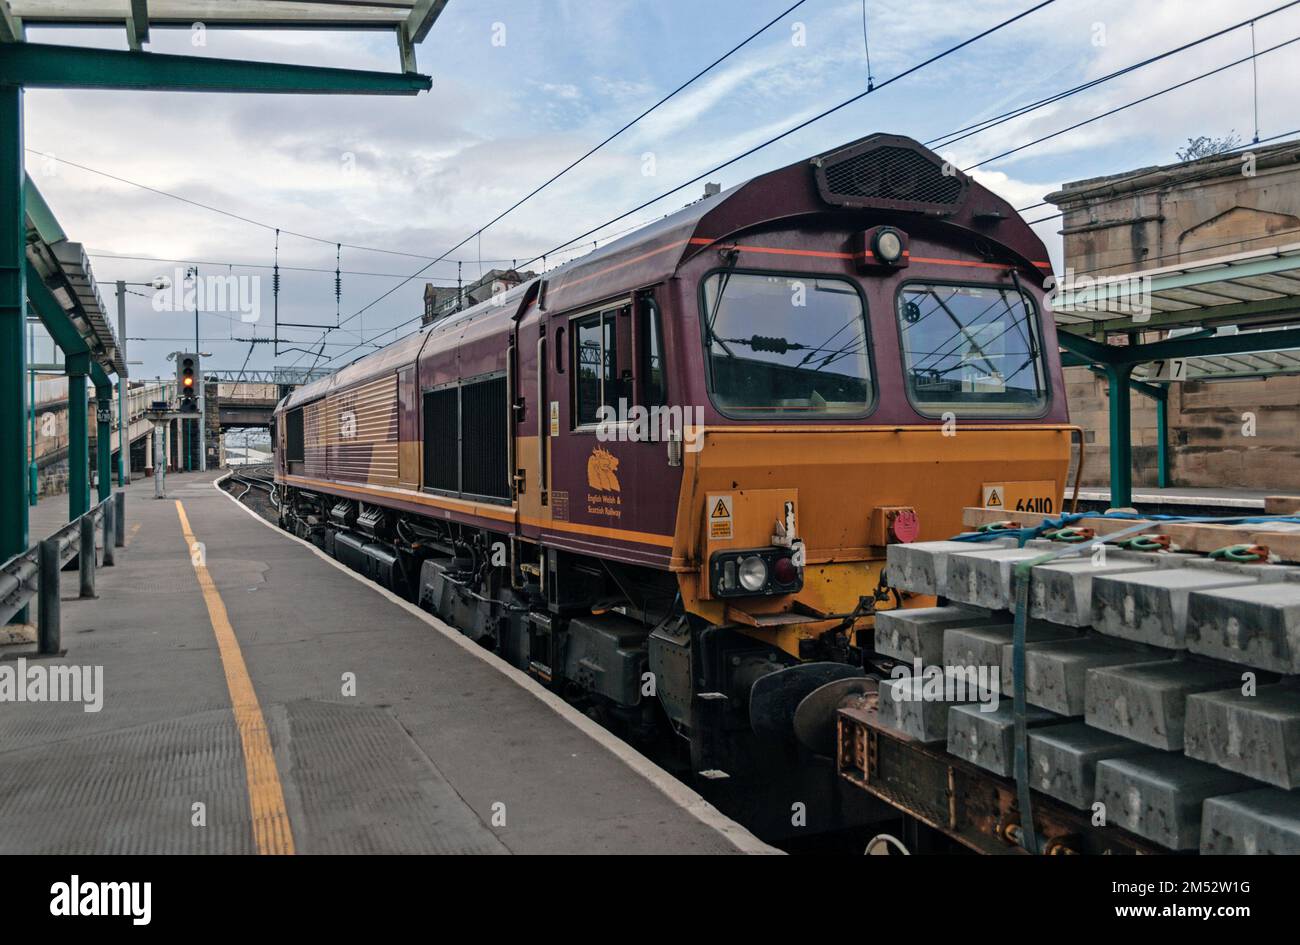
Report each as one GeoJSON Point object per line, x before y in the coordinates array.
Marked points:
{"type": "Point", "coordinates": [709, 319]}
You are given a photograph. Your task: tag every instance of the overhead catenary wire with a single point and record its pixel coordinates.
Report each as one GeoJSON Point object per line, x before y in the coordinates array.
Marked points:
{"type": "Point", "coordinates": [478, 232]}
{"type": "Point", "coordinates": [1073, 127]}
{"type": "Point", "coordinates": [866, 47]}
{"type": "Point", "coordinates": [770, 141]}
{"type": "Point", "coordinates": [1127, 105]}
{"type": "Point", "coordinates": [946, 140]}
{"type": "Point", "coordinates": [1118, 180]}
{"type": "Point", "coordinates": [1160, 186]}
{"type": "Point", "coordinates": [224, 212]}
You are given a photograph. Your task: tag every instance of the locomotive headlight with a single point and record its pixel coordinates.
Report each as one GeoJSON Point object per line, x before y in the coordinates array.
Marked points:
{"type": "Point", "coordinates": [753, 573]}
{"type": "Point", "coordinates": [881, 247]}
{"type": "Point", "coordinates": [888, 245]}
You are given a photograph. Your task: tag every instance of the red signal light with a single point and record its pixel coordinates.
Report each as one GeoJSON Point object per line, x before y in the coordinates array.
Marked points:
{"type": "Point", "coordinates": [784, 571]}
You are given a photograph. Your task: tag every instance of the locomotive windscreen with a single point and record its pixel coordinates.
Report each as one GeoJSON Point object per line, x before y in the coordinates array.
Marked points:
{"type": "Point", "coordinates": [786, 346]}
{"type": "Point", "coordinates": [971, 350]}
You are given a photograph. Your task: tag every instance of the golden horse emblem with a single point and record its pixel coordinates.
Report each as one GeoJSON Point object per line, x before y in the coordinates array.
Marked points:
{"type": "Point", "coordinates": [601, 468]}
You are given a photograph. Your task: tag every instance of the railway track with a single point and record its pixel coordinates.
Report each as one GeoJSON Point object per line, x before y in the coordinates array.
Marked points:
{"type": "Point", "coordinates": [260, 477]}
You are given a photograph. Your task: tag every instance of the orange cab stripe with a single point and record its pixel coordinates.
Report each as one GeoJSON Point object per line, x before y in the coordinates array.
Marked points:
{"type": "Point", "coordinates": [818, 254]}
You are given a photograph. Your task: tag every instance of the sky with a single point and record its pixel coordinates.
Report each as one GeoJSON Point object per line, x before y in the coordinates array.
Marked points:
{"type": "Point", "coordinates": [523, 87]}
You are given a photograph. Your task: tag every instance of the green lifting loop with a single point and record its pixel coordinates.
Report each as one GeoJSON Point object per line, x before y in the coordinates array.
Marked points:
{"type": "Point", "coordinates": [1145, 543]}
{"type": "Point", "coordinates": [1241, 554]}
{"type": "Point", "coordinates": [998, 527]}
{"type": "Point", "coordinates": [1072, 535]}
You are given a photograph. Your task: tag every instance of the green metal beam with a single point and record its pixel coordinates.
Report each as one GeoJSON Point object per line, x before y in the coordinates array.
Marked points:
{"type": "Point", "coordinates": [1156, 392]}
{"type": "Point", "coordinates": [1088, 351]}
{"type": "Point", "coordinates": [103, 429]}
{"type": "Point", "coordinates": [1118, 361]}
{"type": "Point", "coordinates": [1238, 313]}
{"type": "Point", "coordinates": [1085, 350]}
{"type": "Point", "coordinates": [72, 67]}
{"type": "Point", "coordinates": [1121, 436]}
{"type": "Point", "coordinates": [53, 316]}
{"type": "Point", "coordinates": [39, 214]}
{"type": "Point", "coordinates": [78, 436]}
{"type": "Point", "coordinates": [137, 24]}
{"type": "Point", "coordinates": [1243, 343]}
{"type": "Point", "coordinates": [13, 327]}
{"type": "Point", "coordinates": [1162, 442]}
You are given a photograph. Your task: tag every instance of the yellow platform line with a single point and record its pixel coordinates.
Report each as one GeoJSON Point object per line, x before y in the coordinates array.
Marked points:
{"type": "Point", "coordinates": [271, 830]}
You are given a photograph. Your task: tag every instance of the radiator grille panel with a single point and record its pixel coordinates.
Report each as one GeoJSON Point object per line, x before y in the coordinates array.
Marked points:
{"type": "Point", "coordinates": [484, 458]}
{"type": "Point", "coordinates": [441, 439]}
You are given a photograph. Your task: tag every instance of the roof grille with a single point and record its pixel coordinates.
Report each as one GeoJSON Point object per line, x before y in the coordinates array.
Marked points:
{"type": "Point", "coordinates": [899, 178]}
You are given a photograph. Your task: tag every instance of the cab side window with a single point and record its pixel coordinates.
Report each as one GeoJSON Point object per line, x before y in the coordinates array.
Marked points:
{"type": "Point", "coordinates": [602, 363]}
{"type": "Point", "coordinates": [650, 357]}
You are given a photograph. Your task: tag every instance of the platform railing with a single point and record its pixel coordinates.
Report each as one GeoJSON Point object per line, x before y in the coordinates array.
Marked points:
{"type": "Point", "coordinates": [35, 573]}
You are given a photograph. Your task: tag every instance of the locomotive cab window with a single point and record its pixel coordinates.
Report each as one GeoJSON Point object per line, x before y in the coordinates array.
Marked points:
{"type": "Point", "coordinates": [650, 357]}
{"type": "Point", "coordinates": [973, 350]}
{"type": "Point", "coordinates": [602, 363]}
{"type": "Point", "coordinates": [793, 346]}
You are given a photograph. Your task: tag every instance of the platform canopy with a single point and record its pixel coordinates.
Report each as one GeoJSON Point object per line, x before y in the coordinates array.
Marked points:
{"type": "Point", "coordinates": [1251, 288]}
{"type": "Point", "coordinates": [411, 20]}
{"type": "Point", "coordinates": [1217, 318]}
{"type": "Point", "coordinates": [1223, 367]}
{"type": "Point", "coordinates": [64, 271]}
{"type": "Point", "coordinates": [42, 271]}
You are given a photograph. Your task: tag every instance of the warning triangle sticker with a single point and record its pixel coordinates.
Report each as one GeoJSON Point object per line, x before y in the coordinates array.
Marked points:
{"type": "Point", "coordinates": [720, 510]}
{"type": "Point", "coordinates": [995, 498]}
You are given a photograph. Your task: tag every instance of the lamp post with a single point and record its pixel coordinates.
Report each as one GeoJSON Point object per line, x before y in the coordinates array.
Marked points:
{"type": "Point", "coordinates": [123, 426]}
{"type": "Point", "coordinates": [192, 273]}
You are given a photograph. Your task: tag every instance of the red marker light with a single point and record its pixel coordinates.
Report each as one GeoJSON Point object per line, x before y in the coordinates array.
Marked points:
{"type": "Point", "coordinates": [784, 571]}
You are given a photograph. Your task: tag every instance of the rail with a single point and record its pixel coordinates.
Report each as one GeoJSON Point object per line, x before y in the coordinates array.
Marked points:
{"type": "Point", "coordinates": [253, 479]}
{"type": "Point", "coordinates": [36, 571]}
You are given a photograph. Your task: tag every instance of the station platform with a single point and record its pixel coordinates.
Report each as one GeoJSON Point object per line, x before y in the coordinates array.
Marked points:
{"type": "Point", "coordinates": [1182, 500]}
{"type": "Point", "coordinates": [257, 697]}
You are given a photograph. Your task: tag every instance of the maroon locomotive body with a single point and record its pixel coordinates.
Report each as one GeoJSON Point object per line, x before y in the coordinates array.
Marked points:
{"type": "Point", "coordinates": [667, 471]}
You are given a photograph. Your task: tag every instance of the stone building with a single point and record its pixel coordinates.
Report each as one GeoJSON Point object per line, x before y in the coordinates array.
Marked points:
{"type": "Point", "coordinates": [1155, 217]}
{"type": "Point", "coordinates": [441, 301]}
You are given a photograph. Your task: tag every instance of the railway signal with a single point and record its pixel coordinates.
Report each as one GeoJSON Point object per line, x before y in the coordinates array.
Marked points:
{"type": "Point", "coordinates": [189, 379]}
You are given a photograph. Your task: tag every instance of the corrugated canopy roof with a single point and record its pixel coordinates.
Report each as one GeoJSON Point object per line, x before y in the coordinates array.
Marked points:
{"type": "Point", "coordinates": [1253, 288]}
{"type": "Point", "coordinates": [1222, 367]}
{"type": "Point", "coordinates": [325, 14]}
{"type": "Point", "coordinates": [65, 270]}
{"type": "Point", "coordinates": [411, 19]}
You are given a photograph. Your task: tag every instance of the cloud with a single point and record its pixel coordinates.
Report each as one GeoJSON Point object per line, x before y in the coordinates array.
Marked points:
{"type": "Point", "coordinates": [418, 174]}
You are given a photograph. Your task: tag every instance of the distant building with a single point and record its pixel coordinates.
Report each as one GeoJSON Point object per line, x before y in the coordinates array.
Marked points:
{"type": "Point", "coordinates": [1177, 213]}
{"type": "Point", "coordinates": [441, 301]}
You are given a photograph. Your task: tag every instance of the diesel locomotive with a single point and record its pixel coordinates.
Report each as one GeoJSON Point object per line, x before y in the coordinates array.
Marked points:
{"type": "Point", "coordinates": [662, 478]}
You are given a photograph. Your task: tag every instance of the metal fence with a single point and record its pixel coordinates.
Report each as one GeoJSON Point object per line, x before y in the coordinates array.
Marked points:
{"type": "Point", "coordinates": [35, 573]}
